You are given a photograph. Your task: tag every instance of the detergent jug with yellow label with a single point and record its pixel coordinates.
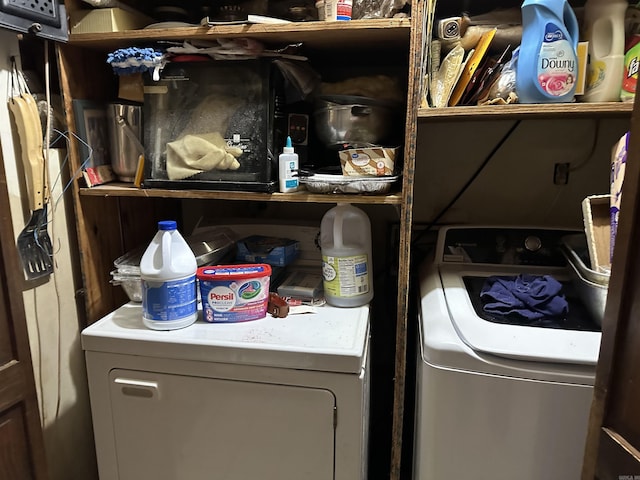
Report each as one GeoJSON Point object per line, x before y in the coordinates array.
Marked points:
{"type": "Point", "coordinates": [604, 30]}
{"type": "Point", "coordinates": [345, 240]}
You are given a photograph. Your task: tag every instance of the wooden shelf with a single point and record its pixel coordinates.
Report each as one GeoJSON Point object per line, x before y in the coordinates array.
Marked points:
{"type": "Point", "coordinates": [126, 190]}
{"type": "Point", "coordinates": [551, 110]}
{"type": "Point", "coordinates": [326, 35]}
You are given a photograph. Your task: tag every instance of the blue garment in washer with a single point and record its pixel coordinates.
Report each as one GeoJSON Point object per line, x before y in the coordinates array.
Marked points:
{"type": "Point", "coordinates": [530, 296]}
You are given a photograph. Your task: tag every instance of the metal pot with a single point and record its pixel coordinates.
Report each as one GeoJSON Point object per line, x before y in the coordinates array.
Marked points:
{"type": "Point", "coordinates": [337, 124]}
{"type": "Point", "coordinates": [125, 132]}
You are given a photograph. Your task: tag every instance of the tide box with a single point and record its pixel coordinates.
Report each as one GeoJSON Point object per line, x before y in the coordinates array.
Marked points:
{"type": "Point", "coordinates": [273, 251]}
{"type": "Point", "coordinates": [370, 161]}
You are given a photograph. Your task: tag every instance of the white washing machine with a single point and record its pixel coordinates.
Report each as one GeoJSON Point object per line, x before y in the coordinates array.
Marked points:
{"type": "Point", "coordinates": [498, 399]}
{"type": "Point", "coordinates": [274, 399]}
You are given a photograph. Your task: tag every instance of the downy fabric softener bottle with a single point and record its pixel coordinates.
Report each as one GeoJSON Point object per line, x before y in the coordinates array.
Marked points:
{"type": "Point", "coordinates": [548, 64]}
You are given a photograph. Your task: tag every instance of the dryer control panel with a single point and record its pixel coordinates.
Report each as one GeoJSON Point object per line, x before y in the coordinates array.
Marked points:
{"type": "Point", "coordinates": [502, 246]}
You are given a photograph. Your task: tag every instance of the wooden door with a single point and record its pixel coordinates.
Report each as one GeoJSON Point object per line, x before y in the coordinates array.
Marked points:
{"type": "Point", "coordinates": [22, 454]}
{"type": "Point", "coordinates": [613, 443]}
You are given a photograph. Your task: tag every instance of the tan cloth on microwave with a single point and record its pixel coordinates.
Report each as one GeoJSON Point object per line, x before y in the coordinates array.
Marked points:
{"type": "Point", "coordinates": [193, 154]}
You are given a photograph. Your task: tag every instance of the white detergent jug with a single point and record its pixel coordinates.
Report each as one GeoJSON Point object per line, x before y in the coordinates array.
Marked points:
{"type": "Point", "coordinates": [345, 240]}
{"type": "Point", "coordinates": [168, 272]}
{"type": "Point", "coordinates": [604, 29]}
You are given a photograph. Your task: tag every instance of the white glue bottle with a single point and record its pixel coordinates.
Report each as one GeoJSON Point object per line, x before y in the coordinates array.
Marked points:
{"type": "Point", "coordinates": [288, 169]}
{"type": "Point", "coordinates": [345, 240]}
{"type": "Point", "coordinates": [168, 272]}
{"type": "Point", "coordinates": [604, 29]}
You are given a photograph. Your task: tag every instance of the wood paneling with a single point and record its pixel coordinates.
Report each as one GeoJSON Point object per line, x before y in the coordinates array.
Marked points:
{"type": "Point", "coordinates": [524, 111]}
{"type": "Point", "coordinates": [618, 460]}
{"type": "Point", "coordinates": [126, 190]}
{"type": "Point", "coordinates": [613, 437]}
{"type": "Point", "coordinates": [404, 253]}
{"type": "Point", "coordinates": [7, 348]}
{"type": "Point", "coordinates": [343, 36]}
{"type": "Point", "coordinates": [15, 461]}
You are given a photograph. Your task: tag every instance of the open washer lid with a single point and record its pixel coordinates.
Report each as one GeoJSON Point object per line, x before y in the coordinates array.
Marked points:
{"type": "Point", "coordinates": [331, 340]}
{"type": "Point", "coordinates": [512, 341]}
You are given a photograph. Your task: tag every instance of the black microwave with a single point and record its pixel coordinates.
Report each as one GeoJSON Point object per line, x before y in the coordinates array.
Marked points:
{"type": "Point", "coordinates": [214, 124]}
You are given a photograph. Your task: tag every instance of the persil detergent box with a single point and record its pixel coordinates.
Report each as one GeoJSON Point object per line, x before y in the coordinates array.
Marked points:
{"type": "Point", "coordinates": [234, 293]}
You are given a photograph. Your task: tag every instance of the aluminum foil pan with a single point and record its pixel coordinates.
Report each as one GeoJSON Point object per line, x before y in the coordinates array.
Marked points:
{"type": "Point", "coordinates": [211, 247]}
{"type": "Point", "coordinates": [325, 183]}
{"type": "Point", "coordinates": [208, 247]}
{"type": "Point", "coordinates": [592, 286]}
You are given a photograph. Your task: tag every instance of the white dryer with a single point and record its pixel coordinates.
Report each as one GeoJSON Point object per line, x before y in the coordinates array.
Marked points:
{"type": "Point", "coordinates": [274, 399]}
{"type": "Point", "coordinates": [498, 399]}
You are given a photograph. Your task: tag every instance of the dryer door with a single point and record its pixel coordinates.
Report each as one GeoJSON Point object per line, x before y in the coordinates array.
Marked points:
{"type": "Point", "coordinates": [168, 427]}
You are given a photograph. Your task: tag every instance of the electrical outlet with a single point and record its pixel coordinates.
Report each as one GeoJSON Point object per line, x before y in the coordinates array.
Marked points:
{"type": "Point", "coordinates": [561, 173]}
{"type": "Point", "coordinates": [299, 128]}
